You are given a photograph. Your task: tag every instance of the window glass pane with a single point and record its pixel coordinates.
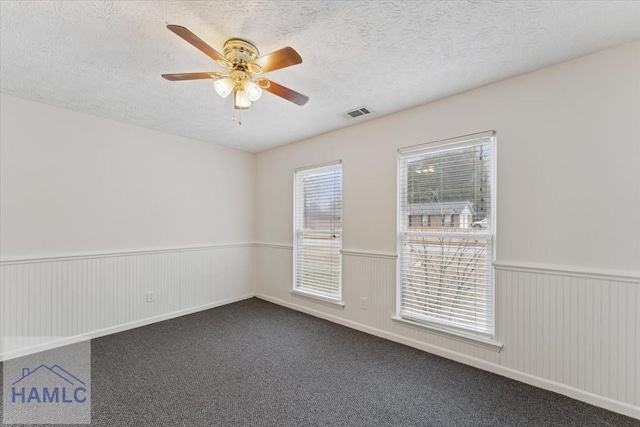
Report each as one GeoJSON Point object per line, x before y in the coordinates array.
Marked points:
{"type": "Point", "coordinates": [322, 192]}
{"type": "Point", "coordinates": [445, 280]}
{"type": "Point", "coordinates": [451, 187]}
{"type": "Point", "coordinates": [319, 262]}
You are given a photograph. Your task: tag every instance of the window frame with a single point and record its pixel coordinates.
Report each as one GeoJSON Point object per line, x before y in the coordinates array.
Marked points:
{"type": "Point", "coordinates": [298, 203]}
{"type": "Point", "coordinates": [487, 340]}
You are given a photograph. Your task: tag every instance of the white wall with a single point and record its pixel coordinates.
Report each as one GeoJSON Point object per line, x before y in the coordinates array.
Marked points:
{"type": "Point", "coordinates": [94, 213]}
{"type": "Point", "coordinates": [75, 183]}
{"type": "Point", "coordinates": [568, 223]}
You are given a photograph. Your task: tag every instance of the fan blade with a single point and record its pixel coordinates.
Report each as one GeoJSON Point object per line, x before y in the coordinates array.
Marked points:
{"type": "Point", "coordinates": [286, 93]}
{"type": "Point", "coordinates": [282, 58]}
{"type": "Point", "coordinates": [198, 43]}
{"type": "Point", "coordinates": [191, 76]}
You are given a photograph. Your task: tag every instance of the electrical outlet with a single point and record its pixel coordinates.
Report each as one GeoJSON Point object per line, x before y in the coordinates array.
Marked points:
{"type": "Point", "coordinates": [363, 303]}
{"type": "Point", "coordinates": [151, 297]}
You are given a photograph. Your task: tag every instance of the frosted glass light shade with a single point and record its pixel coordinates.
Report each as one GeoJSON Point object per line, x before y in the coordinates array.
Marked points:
{"type": "Point", "coordinates": [241, 100]}
{"type": "Point", "coordinates": [224, 86]}
{"type": "Point", "coordinates": [253, 90]}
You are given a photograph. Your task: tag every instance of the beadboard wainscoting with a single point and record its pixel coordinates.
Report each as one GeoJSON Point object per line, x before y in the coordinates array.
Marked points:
{"type": "Point", "coordinates": [49, 302]}
{"type": "Point", "coordinates": [575, 333]}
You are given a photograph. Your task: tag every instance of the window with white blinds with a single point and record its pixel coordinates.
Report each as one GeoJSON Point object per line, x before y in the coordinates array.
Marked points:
{"type": "Point", "coordinates": [445, 240]}
{"type": "Point", "coordinates": [317, 262]}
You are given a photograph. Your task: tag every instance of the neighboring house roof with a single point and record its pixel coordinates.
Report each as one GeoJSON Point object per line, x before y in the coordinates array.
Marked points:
{"type": "Point", "coordinates": [440, 208]}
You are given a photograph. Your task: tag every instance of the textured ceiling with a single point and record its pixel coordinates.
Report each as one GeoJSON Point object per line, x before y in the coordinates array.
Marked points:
{"type": "Point", "coordinates": [105, 57]}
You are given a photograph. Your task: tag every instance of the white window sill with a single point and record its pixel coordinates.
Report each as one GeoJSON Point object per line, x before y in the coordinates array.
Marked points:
{"type": "Point", "coordinates": [318, 298]}
{"type": "Point", "coordinates": [459, 336]}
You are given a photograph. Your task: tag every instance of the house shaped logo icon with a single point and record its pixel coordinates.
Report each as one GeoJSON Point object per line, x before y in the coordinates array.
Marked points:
{"type": "Point", "coordinates": [48, 384]}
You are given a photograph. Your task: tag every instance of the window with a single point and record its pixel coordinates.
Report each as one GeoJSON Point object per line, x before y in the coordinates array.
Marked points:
{"type": "Point", "coordinates": [317, 261]}
{"type": "Point", "coordinates": [445, 271]}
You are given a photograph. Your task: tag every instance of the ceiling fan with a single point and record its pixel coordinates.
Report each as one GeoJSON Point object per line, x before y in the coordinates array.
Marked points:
{"type": "Point", "coordinates": [243, 61]}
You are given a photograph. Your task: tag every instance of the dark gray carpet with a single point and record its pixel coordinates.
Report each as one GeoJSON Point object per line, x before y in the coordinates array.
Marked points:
{"type": "Point", "coordinates": [253, 363]}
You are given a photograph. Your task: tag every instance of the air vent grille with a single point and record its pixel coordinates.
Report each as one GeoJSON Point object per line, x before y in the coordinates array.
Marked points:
{"type": "Point", "coordinates": [358, 112]}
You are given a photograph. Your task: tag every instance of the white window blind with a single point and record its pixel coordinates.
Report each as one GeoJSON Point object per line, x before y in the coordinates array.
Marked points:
{"type": "Point", "coordinates": [318, 231]}
{"type": "Point", "coordinates": [445, 240]}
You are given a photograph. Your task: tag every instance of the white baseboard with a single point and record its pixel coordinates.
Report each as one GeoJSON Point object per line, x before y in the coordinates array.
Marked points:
{"type": "Point", "coordinates": [114, 329]}
{"type": "Point", "coordinates": [572, 392]}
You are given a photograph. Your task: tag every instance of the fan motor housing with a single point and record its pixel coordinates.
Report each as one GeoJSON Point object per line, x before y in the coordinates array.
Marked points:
{"type": "Point", "coordinates": [238, 51]}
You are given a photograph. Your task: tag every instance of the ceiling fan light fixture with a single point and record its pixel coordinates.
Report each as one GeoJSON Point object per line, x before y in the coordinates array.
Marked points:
{"type": "Point", "coordinates": [242, 59]}
{"type": "Point", "coordinates": [241, 99]}
{"type": "Point", "coordinates": [224, 86]}
{"type": "Point", "coordinates": [253, 90]}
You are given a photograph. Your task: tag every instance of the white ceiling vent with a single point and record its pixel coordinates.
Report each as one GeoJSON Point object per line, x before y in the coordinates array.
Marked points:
{"type": "Point", "coordinates": [358, 112]}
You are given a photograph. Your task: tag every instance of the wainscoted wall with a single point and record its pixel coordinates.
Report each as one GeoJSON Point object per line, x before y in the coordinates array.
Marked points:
{"type": "Point", "coordinates": [48, 302]}
{"type": "Point", "coordinates": [577, 329]}
{"type": "Point", "coordinates": [570, 332]}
